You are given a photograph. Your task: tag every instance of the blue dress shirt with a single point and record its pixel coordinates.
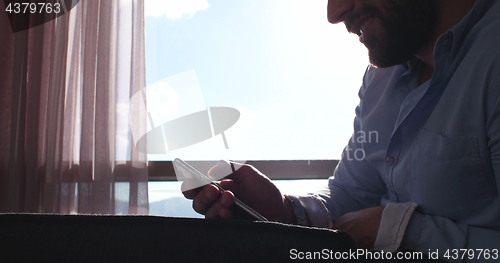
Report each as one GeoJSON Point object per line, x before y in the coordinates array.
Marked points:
{"type": "Point", "coordinates": [430, 152]}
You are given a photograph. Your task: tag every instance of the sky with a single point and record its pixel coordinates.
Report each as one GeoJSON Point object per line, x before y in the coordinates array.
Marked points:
{"type": "Point", "coordinates": [293, 76]}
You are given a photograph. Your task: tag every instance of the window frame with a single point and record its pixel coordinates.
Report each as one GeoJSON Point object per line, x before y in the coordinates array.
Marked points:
{"type": "Point", "coordinates": [274, 169]}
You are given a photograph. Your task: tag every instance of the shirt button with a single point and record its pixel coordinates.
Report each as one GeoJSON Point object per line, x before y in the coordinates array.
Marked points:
{"type": "Point", "coordinates": [389, 160]}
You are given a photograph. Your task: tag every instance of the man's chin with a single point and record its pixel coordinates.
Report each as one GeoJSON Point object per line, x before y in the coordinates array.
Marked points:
{"type": "Point", "coordinates": [388, 57]}
{"type": "Point", "coordinates": [381, 64]}
{"type": "Point", "coordinates": [378, 60]}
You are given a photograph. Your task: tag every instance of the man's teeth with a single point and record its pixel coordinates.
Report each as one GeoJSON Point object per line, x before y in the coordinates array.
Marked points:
{"type": "Point", "coordinates": [364, 25]}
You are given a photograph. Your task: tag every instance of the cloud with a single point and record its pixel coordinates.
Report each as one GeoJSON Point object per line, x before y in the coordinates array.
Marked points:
{"type": "Point", "coordinates": [174, 9]}
{"type": "Point", "coordinates": [247, 117]}
{"type": "Point", "coordinates": [162, 102]}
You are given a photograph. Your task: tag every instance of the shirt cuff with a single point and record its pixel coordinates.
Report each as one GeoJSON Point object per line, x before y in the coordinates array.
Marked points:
{"type": "Point", "coordinates": [391, 230]}
{"type": "Point", "coordinates": [315, 209]}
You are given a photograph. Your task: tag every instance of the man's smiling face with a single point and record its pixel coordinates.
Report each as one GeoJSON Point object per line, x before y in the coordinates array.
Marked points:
{"type": "Point", "coordinates": [392, 30]}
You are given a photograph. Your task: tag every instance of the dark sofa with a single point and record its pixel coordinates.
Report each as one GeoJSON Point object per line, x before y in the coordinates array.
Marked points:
{"type": "Point", "coordinates": [93, 238]}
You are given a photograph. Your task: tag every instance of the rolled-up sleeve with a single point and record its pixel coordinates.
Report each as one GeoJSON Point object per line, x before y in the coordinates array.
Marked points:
{"type": "Point", "coordinates": [395, 219]}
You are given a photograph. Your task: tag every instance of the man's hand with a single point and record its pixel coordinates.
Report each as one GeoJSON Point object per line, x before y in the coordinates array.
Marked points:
{"type": "Point", "coordinates": [248, 184]}
{"type": "Point", "coordinates": [361, 225]}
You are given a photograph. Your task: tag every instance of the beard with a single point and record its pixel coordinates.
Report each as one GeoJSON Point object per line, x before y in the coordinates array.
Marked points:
{"type": "Point", "coordinates": [407, 25]}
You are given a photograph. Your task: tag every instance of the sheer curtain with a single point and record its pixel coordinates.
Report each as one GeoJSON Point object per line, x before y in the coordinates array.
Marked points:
{"type": "Point", "coordinates": [65, 121]}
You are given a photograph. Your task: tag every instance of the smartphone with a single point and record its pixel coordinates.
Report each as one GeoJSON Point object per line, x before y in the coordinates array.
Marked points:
{"type": "Point", "coordinates": [189, 171]}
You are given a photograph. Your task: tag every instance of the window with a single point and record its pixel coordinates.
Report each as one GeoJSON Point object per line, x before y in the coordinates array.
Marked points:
{"type": "Point", "coordinates": [292, 77]}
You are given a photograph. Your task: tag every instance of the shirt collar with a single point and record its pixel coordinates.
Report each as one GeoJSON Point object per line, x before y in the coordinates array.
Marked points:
{"type": "Point", "coordinates": [460, 30]}
{"type": "Point", "coordinates": [456, 35]}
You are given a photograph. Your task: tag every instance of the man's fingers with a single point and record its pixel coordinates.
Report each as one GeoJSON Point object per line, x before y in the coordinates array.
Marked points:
{"type": "Point", "coordinates": [226, 214]}
{"type": "Point", "coordinates": [205, 198]}
{"type": "Point", "coordinates": [220, 208]}
{"type": "Point", "coordinates": [223, 169]}
{"type": "Point", "coordinates": [189, 188]}
{"type": "Point", "coordinates": [228, 184]}
{"type": "Point", "coordinates": [209, 201]}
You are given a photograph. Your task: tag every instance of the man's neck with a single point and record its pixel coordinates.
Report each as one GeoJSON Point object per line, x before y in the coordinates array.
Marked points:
{"type": "Point", "coordinates": [451, 12]}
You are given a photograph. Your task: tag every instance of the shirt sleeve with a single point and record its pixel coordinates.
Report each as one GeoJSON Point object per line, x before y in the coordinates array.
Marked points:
{"type": "Point", "coordinates": [355, 184]}
{"type": "Point", "coordinates": [316, 211]}
{"type": "Point", "coordinates": [393, 223]}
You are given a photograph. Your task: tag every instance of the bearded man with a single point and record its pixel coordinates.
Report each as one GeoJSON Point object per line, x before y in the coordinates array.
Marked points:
{"type": "Point", "coordinates": [432, 92]}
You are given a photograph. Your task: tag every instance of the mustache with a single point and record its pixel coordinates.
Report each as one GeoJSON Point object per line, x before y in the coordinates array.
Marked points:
{"type": "Point", "coordinates": [357, 14]}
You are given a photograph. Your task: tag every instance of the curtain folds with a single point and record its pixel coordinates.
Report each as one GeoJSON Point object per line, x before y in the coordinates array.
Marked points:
{"type": "Point", "coordinates": [65, 121]}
